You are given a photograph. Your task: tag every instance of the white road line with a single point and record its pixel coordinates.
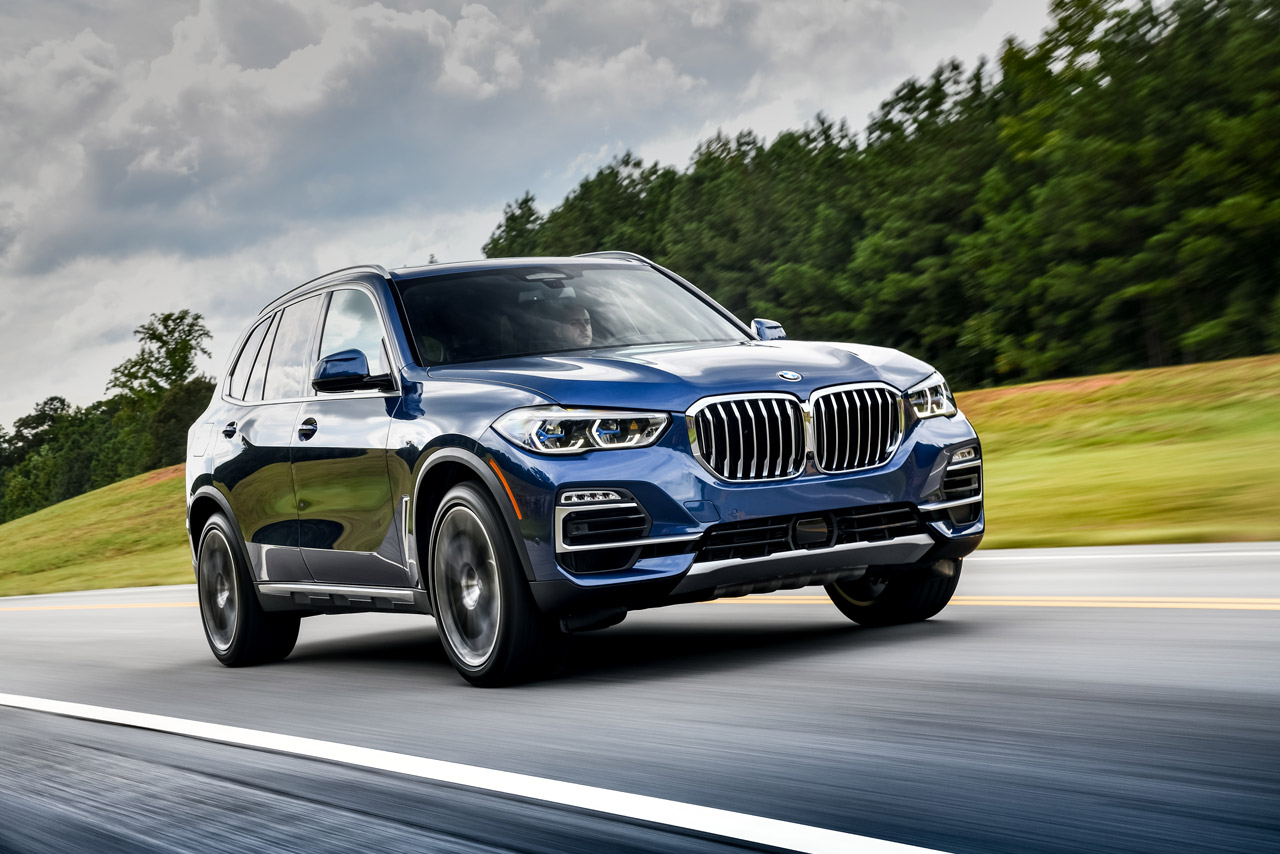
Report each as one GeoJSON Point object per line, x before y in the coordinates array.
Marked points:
{"type": "Point", "coordinates": [978, 555]}
{"type": "Point", "coordinates": [732, 825]}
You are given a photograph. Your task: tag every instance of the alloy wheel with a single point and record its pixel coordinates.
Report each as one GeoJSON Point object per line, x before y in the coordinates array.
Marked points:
{"type": "Point", "coordinates": [219, 590]}
{"type": "Point", "coordinates": [467, 587]}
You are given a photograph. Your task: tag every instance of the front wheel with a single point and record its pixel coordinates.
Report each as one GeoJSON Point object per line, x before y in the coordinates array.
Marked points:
{"type": "Point", "coordinates": [489, 624]}
{"type": "Point", "coordinates": [239, 631]}
{"type": "Point", "coordinates": [887, 596]}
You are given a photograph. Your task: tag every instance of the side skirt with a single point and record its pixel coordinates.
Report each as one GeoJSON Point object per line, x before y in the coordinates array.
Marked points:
{"type": "Point", "coordinates": [341, 598]}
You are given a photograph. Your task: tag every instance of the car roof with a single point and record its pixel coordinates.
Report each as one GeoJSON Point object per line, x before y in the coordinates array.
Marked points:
{"type": "Point", "coordinates": [401, 273]}
{"type": "Point", "coordinates": [428, 270]}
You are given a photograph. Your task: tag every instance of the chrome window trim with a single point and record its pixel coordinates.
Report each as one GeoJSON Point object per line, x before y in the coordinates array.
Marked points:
{"type": "Point", "coordinates": [241, 343]}
{"type": "Point", "coordinates": [393, 354]}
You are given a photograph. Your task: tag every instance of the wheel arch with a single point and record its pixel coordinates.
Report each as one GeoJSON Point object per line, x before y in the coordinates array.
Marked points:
{"type": "Point", "coordinates": [205, 502]}
{"type": "Point", "coordinates": [440, 472]}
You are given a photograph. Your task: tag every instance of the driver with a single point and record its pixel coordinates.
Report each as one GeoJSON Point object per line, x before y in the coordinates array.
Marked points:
{"type": "Point", "coordinates": [575, 327]}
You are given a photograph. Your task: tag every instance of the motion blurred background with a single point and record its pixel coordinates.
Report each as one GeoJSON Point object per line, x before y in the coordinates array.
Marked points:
{"type": "Point", "coordinates": [1077, 219]}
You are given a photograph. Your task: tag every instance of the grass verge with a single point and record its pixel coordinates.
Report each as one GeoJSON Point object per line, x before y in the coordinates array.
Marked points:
{"type": "Point", "coordinates": [1172, 455]}
{"type": "Point", "coordinates": [127, 534]}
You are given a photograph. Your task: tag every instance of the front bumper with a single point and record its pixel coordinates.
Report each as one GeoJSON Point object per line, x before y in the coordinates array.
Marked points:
{"type": "Point", "coordinates": [667, 560]}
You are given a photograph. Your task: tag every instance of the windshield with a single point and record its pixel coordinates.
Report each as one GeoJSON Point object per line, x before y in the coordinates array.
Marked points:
{"type": "Point", "coordinates": [524, 311]}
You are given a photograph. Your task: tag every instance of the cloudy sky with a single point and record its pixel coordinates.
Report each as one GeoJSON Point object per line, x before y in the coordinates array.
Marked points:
{"type": "Point", "coordinates": [209, 154]}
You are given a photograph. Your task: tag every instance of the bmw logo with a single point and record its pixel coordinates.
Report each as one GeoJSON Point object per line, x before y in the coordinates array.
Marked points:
{"type": "Point", "coordinates": [790, 376]}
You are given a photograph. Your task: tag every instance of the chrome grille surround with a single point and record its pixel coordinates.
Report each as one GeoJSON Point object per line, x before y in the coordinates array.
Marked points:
{"type": "Point", "coordinates": [764, 436]}
{"type": "Point", "coordinates": [856, 426]}
{"type": "Point", "coordinates": [749, 437]}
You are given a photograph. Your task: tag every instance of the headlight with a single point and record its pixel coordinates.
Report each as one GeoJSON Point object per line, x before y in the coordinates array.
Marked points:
{"type": "Point", "coordinates": [932, 397]}
{"type": "Point", "coordinates": [555, 430]}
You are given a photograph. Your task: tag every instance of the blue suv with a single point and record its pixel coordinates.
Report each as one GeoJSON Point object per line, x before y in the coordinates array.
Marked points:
{"type": "Point", "coordinates": [530, 447]}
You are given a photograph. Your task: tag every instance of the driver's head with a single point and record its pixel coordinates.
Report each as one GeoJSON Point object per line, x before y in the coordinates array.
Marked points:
{"type": "Point", "coordinates": [575, 327]}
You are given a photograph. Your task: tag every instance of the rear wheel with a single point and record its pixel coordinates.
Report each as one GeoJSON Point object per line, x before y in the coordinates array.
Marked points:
{"type": "Point", "coordinates": [887, 596]}
{"type": "Point", "coordinates": [239, 631]}
{"type": "Point", "coordinates": [489, 624]}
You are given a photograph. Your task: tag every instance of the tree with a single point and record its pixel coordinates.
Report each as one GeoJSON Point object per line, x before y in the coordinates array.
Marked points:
{"type": "Point", "coordinates": [31, 432]}
{"type": "Point", "coordinates": [171, 342]}
{"type": "Point", "coordinates": [517, 234]}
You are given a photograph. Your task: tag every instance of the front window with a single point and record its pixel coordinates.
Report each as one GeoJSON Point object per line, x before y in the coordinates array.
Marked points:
{"type": "Point", "coordinates": [525, 311]}
{"type": "Point", "coordinates": [353, 324]}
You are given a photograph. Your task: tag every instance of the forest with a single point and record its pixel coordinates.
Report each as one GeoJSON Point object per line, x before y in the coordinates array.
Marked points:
{"type": "Point", "coordinates": [1106, 198]}
{"type": "Point", "coordinates": [59, 451]}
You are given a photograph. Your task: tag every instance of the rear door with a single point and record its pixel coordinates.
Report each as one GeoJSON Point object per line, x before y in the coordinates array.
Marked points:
{"type": "Point", "coordinates": [251, 444]}
{"type": "Point", "coordinates": [351, 525]}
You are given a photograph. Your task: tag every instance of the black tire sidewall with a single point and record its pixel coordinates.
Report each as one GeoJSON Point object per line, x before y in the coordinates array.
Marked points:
{"type": "Point", "coordinates": [259, 637]}
{"type": "Point", "coordinates": [514, 655]}
{"type": "Point", "coordinates": [469, 496]}
{"type": "Point", "coordinates": [244, 588]}
{"type": "Point", "coordinates": [912, 594]}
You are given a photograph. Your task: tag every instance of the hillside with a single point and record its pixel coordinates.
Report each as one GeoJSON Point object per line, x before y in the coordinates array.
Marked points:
{"type": "Point", "coordinates": [127, 534]}
{"type": "Point", "coordinates": [1184, 454]}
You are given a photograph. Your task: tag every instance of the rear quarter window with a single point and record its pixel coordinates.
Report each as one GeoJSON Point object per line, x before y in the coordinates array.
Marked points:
{"type": "Point", "coordinates": [289, 369]}
{"type": "Point", "coordinates": [239, 379]}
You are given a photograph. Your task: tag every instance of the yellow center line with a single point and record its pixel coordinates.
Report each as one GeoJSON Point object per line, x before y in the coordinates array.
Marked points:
{"type": "Point", "coordinates": [98, 607]}
{"type": "Point", "coordinates": [1167, 602]}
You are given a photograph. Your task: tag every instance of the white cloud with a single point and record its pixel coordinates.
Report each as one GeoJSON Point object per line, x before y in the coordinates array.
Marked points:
{"type": "Point", "coordinates": [163, 154]}
{"type": "Point", "coordinates": [629, 79]}
{"type": "Point", "coordinates": [483, 57]}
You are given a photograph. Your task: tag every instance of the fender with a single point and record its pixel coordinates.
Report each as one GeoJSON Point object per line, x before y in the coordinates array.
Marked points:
{"type": "Point", "coordinates": [209, 491]}
{"type": "Point", "coordinates": [485, 475]}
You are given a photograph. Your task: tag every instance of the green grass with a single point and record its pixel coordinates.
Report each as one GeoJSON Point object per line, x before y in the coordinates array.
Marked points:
{"type": "Point", "coordinates": [124, 535]}
{"type": "Point", "coordinates": [1174, 455]}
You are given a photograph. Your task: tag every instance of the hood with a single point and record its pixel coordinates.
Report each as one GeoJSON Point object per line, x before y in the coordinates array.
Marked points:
{"type": "Point", "coordinates": [672, 377]}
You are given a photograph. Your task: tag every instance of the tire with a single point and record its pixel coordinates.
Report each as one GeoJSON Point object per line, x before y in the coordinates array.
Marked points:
{"type": "Point", "coordinates": [896, 595]}
{"type": "Point", "coordinates": [239, 631]}
{"type": "Point", "coordinates": [489, 625]}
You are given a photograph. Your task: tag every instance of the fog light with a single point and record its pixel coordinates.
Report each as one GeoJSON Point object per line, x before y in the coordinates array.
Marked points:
{"type": "Point", "coordinates": [589, 496]}
{"type": "Point", "coordinates": [965, 454]}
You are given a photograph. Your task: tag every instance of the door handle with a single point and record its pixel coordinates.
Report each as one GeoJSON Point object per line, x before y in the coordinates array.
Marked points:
{"type": "Point", "coordinates": [307, 429]}
{"type": "Point", "coordinates": [230, 430]}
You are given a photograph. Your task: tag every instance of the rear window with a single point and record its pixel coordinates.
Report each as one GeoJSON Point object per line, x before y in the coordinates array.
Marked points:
{"type": "Point", "coordinates": [289, 370]}
{"type": "Point", "coordinates": [519, 311]}
{"type": "Point", "coordinates": [239, 379]}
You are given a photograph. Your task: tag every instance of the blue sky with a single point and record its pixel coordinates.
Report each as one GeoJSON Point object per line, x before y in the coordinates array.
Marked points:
{"type": "Point", "coordinates": [206, 154]}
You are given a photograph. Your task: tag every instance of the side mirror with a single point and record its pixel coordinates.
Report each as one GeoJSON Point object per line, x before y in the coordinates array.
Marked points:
{"type": "Point", "coordinates": [347, 371]}
{"type": "Point", "coordinates": [768, 330]}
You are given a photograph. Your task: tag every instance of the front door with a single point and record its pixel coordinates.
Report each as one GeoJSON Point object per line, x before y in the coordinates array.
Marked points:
{"type": "Point", "coordinates": [351, 528]}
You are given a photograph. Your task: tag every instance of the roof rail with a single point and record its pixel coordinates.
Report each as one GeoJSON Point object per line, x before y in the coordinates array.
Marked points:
{"type": "Point", "coordinates": [363, 268]}
{"type": "Point", "coordinates": [616, 253]}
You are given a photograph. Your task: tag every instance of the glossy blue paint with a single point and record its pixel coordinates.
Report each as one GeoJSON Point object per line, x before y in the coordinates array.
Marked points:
{"type": "Point", "coordinates": [672, 377]}
{"type": "Point", "coordinates": [318, 485]}
{"type": "Point", "coordinates": [344, 371]}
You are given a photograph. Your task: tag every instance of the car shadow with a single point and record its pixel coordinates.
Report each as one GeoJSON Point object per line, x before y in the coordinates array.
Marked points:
{"type": "Point", "coordinates": [643, 650]}
{"type": "Point", "coordinates": [412, 647]}
{"type": "Point", "coordinates": [652, 652]}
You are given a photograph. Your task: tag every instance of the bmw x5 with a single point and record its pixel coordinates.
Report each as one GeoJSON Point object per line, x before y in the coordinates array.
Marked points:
{"type": "Point", "coordinates": [526, 448]}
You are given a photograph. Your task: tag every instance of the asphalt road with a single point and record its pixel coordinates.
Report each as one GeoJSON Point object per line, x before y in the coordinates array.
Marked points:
{"type": "Point", "coordinates": [1118, 699]}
